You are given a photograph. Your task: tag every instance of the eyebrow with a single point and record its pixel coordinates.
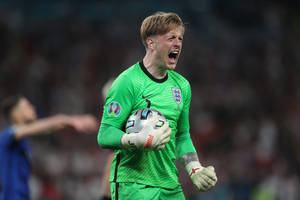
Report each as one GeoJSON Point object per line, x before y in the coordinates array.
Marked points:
{"type": "Point", "coordinates": [174, 36]}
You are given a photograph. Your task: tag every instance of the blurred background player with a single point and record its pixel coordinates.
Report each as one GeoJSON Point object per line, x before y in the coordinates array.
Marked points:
{"type": "Point", "coordinates": [15, 152]}
{"type": "Point", "coordinates": [143, 166]}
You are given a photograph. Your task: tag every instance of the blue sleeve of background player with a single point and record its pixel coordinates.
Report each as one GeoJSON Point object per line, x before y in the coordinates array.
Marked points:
{"type": "Point", "coordinates": [7, 137]}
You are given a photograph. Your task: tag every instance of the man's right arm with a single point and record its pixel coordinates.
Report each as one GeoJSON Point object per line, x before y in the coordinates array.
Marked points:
{"type": "Point", "coordinates": [81, 123]}
{"type": "Point", "coordinates": [109, 137]}
{"type": "Point", "coordinates": [118, 106]}
{"type": "Point", "coordinates": [148, 138]}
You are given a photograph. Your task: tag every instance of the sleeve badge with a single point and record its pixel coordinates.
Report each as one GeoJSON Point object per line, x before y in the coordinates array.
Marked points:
{"type": "Point", "coordinates": [114, 108]}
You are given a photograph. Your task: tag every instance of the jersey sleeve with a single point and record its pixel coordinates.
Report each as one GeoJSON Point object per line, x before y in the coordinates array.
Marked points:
{"type": "Point", "coordinates": [107, 140]}
{"type": "Point", "coordinates": [184, 143]}
{"type": "Point", "coordinates": [7, 137]}
{"type": "Point", "coordinates": [118, 105]}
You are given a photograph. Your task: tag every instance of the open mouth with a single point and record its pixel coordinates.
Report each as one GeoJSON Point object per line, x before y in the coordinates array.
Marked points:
{"type": "Point", "coordinates": [173, 55]}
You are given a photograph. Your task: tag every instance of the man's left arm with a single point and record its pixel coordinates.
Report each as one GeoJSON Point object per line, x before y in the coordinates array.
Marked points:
{"type": "Point", "coordinates": [203, 178]}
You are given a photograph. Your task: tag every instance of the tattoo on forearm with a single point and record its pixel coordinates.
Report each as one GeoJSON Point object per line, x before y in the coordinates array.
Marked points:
{"type": "Point", "coordinates": [186, 158]}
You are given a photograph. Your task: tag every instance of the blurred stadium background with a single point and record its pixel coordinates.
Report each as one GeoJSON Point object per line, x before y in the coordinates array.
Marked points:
{"type": "Point", "coordinates": [241, 57]}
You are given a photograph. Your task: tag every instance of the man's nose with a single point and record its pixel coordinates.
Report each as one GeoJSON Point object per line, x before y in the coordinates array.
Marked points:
{"type": "Point", "coordinates": [178, 43]}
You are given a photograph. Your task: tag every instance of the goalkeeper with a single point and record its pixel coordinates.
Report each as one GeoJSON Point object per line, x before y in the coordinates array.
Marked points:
{"type": "Point", "coordinates": [143, 166]}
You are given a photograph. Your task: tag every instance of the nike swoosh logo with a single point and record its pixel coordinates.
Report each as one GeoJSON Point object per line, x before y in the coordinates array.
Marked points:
{"type": "Point", "coordinates": [144, 97]}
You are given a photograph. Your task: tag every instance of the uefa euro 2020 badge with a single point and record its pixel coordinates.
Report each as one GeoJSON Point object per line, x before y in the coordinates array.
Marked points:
{"type": "Point", "coordinates": [114, 108]}
{"type": "Point", "coordinates": [177, 95]}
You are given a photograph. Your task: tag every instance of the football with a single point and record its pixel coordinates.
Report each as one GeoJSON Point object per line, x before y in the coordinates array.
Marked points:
{"type": "Point", "coordinates": [137, 121]}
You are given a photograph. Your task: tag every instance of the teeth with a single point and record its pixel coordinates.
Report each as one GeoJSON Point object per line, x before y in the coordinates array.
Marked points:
{"type": "Point", "coordinates": [173, 54]}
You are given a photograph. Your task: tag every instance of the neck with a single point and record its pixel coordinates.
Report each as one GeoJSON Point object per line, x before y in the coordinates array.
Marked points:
{"type": "Point", "coordinates": [156, 70]}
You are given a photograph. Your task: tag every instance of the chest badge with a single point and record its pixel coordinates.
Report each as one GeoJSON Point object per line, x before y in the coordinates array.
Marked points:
{"type": "Point", "coordinates": [177, 95]}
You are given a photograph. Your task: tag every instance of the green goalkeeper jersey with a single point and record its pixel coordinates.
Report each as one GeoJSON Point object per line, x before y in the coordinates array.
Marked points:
{"type": "Point", "coordinates": [136, 89]}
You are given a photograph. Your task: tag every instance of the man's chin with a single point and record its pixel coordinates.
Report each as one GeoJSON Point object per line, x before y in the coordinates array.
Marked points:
{"type": "Point", "coordinates": [171, 66]}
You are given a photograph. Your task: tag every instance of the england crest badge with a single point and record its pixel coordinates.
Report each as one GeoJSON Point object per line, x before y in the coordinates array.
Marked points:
{"type": "Point", "coordinates": [177, 95]}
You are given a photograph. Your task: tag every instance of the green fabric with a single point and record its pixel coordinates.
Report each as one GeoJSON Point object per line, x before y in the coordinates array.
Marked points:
{"type": "Point", "coordinates": [135, 191]}
{"type": "Point", "coordinates": [155, 168]}
{"type": "Point", "coordinates": [184, 144]}
{"type": "Point", "coordinates": [108, 140]}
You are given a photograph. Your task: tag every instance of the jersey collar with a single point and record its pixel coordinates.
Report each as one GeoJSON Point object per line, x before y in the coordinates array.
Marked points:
{"type": "Point", "coordinates": [150, 75]}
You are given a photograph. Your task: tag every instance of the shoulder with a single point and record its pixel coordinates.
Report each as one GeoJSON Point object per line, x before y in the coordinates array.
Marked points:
{"type": "Point", "coordinates": [130, 71]}
{"type": "Point", "coordinates": [126, 82]}
{"type": "Point", "coordinates": [7, 136]}
{"type": "Point", "coordinates": [7, 130]}
{"type": "Point", "coordinates": [128, 76]}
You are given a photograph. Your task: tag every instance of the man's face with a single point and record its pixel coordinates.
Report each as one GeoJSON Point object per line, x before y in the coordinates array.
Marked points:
{"type": "Point", "coordinates": [24, 111]}
{"type": "Point", "coordinates": [168, 47]}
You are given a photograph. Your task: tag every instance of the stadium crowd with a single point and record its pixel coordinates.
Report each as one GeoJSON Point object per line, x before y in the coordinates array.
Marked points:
{"type": "Point", "coordinates": [241, 58]}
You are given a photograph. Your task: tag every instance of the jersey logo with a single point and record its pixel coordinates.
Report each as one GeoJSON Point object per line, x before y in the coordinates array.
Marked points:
{"type": "Point", "coordinates": [114, 108]}
{"type": "Point", "coordinates": [147, 100]}
{"type": "Point", "coordinates": [177, 95]}
{"type": "Point", "coordinates": [144, 97]}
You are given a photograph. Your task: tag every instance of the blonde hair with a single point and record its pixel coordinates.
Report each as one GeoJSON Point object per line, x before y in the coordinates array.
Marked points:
{"type": "Point", "coordinates": [158, 24]}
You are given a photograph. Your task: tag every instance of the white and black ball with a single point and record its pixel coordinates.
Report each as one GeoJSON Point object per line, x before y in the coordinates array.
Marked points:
{"type": "Point", "coordinates": [137, 121]}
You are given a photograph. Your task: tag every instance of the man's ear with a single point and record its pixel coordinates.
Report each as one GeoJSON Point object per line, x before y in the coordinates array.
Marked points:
{"type": "Point", "coordinates": [150, 43]}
